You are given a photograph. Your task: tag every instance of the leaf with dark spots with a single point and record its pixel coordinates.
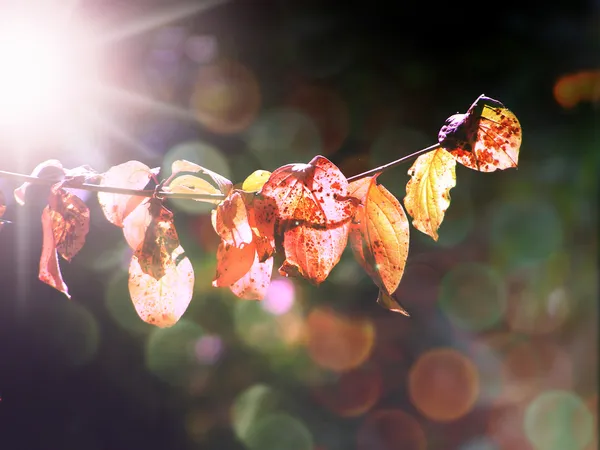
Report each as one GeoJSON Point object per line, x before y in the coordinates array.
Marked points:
{"type": "Point", "coordinates": [379, 235]}
{"type": "Point", "coordinates": [49, 272]}
{"type": "Point", "coordinates": [233, 263]}
{"type": "Point", "coordinates": [310, 209]}
{"type": "Point", "coordinates": [486, 138]}
{"type": "Point", "coordinates": [231, 221]}
{"type": "Point", "coordinates": [160, 240]}
{"type": "Point", "coordinates": [70, 221]}
{"type": "Point", "coordinates": [255, 283]}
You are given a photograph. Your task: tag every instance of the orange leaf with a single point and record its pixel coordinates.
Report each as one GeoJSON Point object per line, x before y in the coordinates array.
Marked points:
{"type": "Point", "coordinates": [160, 240]}
{"type": "Point", "coordinates": [233, 263]}
{"type": "Point", "coordinates": [70, 222]}
{"type": "Point", "coordinates": [162, 302]}
{"type": "Point", "coordinates": [129, 175]}
{"type": "Point", "coordinates": [428, 190]}
{"type": "Point", "coordinates": [309, 206]}
{"type": "Point", "coordinates": [231, 221]}
{"type": "Point", "coordinates": [379, 235]}
{"type": "Point", "coordinates": [486, 138]}
{"type": "Point", "coordinates": [255, 283]}
{"type": "Point", "coordinates": [49, 269]}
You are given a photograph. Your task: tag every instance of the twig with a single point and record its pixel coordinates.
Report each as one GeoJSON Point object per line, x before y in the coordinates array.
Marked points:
{"type": "Point", "coordinates": [381, 169]}
{"type": "Point", "coordinates": [190, 196]}
{"type": "Point", "coordinates": [111, 189]}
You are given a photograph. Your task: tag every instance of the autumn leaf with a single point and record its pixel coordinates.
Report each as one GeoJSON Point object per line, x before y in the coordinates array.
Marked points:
{"type": "Point", "coordinates": [70, 221]}
{"type": "Point", "coordinates": [183, 165]}
{"type": "Point", "coordinates": [379, 237]}
{"type": "Point", "coordinates": [50, 169]}
{"type": "Point", "coordinates": [136, 223]}
{"type": "Point", "coordinates": [486, 138]}
{"type": "Point", "coordinates": [49, 272]}
{"type": "Point", "coordinates": [428, 190]}
{"type": "Point", "coordinates": [190, 184]}
{"type": "Point", "coordinates": [162, 302]}
{"type": "Point", "coordinates": [255, 283]}
{"type": "Point", "coordinates": [244, 262]}
{"type": "Point", "coordinates": [255, 181]}
{"type": "Point", "coordinates": [160, 240]}
{"type": "Point", "coordinates": [231, 221]}
{"type": "Point", "coordinates": [129, 175]}
{"type": "Point", "coordinates": [310, 209]}
{"type": "Point", "coordinates": [233, 263]}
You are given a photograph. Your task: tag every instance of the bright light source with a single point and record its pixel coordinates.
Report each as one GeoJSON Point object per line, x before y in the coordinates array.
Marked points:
{"type": "Point", "coordinates": [38, 77]}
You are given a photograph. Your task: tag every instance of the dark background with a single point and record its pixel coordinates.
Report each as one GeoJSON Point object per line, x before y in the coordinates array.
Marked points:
{"type": "Point", "coordinates": [511, 284]}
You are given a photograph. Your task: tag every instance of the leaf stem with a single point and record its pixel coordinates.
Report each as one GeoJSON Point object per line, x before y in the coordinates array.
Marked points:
{"type": "Point", "coordinates": [390, 165]}
{"type": "Point", "coordinates": [110, 189]}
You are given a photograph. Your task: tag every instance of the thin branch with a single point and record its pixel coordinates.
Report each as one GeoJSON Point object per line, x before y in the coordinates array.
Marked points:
{"type": "Point", "coordinates": [190, 196]}
{"type": "Point", "coordinates": [388, 166]}
{"type": "Point", "coordinates": [111, 189]}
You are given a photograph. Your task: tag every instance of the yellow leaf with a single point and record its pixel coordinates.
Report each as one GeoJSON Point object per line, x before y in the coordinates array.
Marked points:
{"type": "Point", "coordinates": [428, 190]}
{"type": "Point", "coordinates": [162, 302]}
{"type": "Point", "coordinates": [182, 165]}
{"type": "Point", "coordinates": [379, 236]}
{"type": "Point", "coordinates": [190, 184]}
{"type": "Point", "coordinates": [255, 181]}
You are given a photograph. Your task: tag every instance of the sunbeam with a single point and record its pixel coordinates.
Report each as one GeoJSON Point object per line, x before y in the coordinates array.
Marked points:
{"type": "Point", "coordinates": [158, 20]}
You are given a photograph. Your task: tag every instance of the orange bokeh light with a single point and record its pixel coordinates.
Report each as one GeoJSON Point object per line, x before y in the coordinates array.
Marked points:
{"type": "Point", "coordinates": [336, 342]}
{"type": "Point", "coordinates": [391, 430]}
{"type": "Point", "coordinates": [443, 384]}
{"type": "Point", "coordinates": [226, 97]}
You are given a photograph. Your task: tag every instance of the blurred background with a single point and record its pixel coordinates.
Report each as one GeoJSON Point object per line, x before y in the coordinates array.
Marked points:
{"type": "Point", "coordinates": [501, 350]}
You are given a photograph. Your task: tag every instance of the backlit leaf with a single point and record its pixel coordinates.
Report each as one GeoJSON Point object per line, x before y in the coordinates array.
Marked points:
{"type": "Point", "coordinates": [308, 205]}
{"type": "Point", "coordinates": [231, 221]}
{"type": "Point", "coordinates": [49, 272]}
{"type": "Point", "coordinates": [190, 184]}
{"type": "Point", "coordinates": [129, 175]}
{"type": "Point", "coordinates": [162, 302]}
{"type": "Point", "coordinates": [379, 235]}
{"type": "Point", "coordinates": [255, 283]}
{"type": "Point", "coordinates": [428, 190]}
{"type": "Point", "coordinates": [256, 180]}
{"type": "Point", "coordinates": [136, 224]}
{"type": "Point", "coordinates": [70, 221]}
{"type": "Point", "coordinates": [486, 138]}
{"type": "Point", "coordinates": [160, 240]}
{"type": "Point", "coordinates": [183, 165]}
{"type": "Point", "coordinates": [233, 263]}
{"type": "Point", "coordinates": [50, 169]}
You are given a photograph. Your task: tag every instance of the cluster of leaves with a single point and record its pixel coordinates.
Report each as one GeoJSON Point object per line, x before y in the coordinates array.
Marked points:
{"type": "Point", "coordinates": [305, 212]}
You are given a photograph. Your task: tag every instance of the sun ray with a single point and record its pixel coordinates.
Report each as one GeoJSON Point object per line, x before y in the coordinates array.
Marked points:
{"type": "Point", "coordinates": [158, 19]}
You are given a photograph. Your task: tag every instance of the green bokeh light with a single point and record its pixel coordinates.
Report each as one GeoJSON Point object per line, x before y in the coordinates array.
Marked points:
{"type": "Point", "coordinates": [558, 420]}
{"type": "Point", "coordinates": [473, 296]}
{"type": "Point", "coordinates": [251, 405]}
{"type": "Point", "coordinates": [278, 432]}
{"type": "Point", "coordinates": [170, 352]}
{"type": "Point", "coordinates": [69, 333]}
{"type": "Point", "coordinates": [524, 231]}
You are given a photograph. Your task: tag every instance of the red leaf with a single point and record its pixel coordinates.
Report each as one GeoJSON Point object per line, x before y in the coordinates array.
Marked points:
{"type": "Point", "coordinates": [309, 206]}
{"type": "Point", "coordinates": [231, 221]}
{"type": "Point", "coordinates": [255, 283]}
{"type": "Point", "coordinates": [70, 221]}
{"type": "Point", "coordinates": [160, 240]}
{"type": "Point", "coordinates": [233, 263]}
{"type": "Point", "coordinates": [49, 269]}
